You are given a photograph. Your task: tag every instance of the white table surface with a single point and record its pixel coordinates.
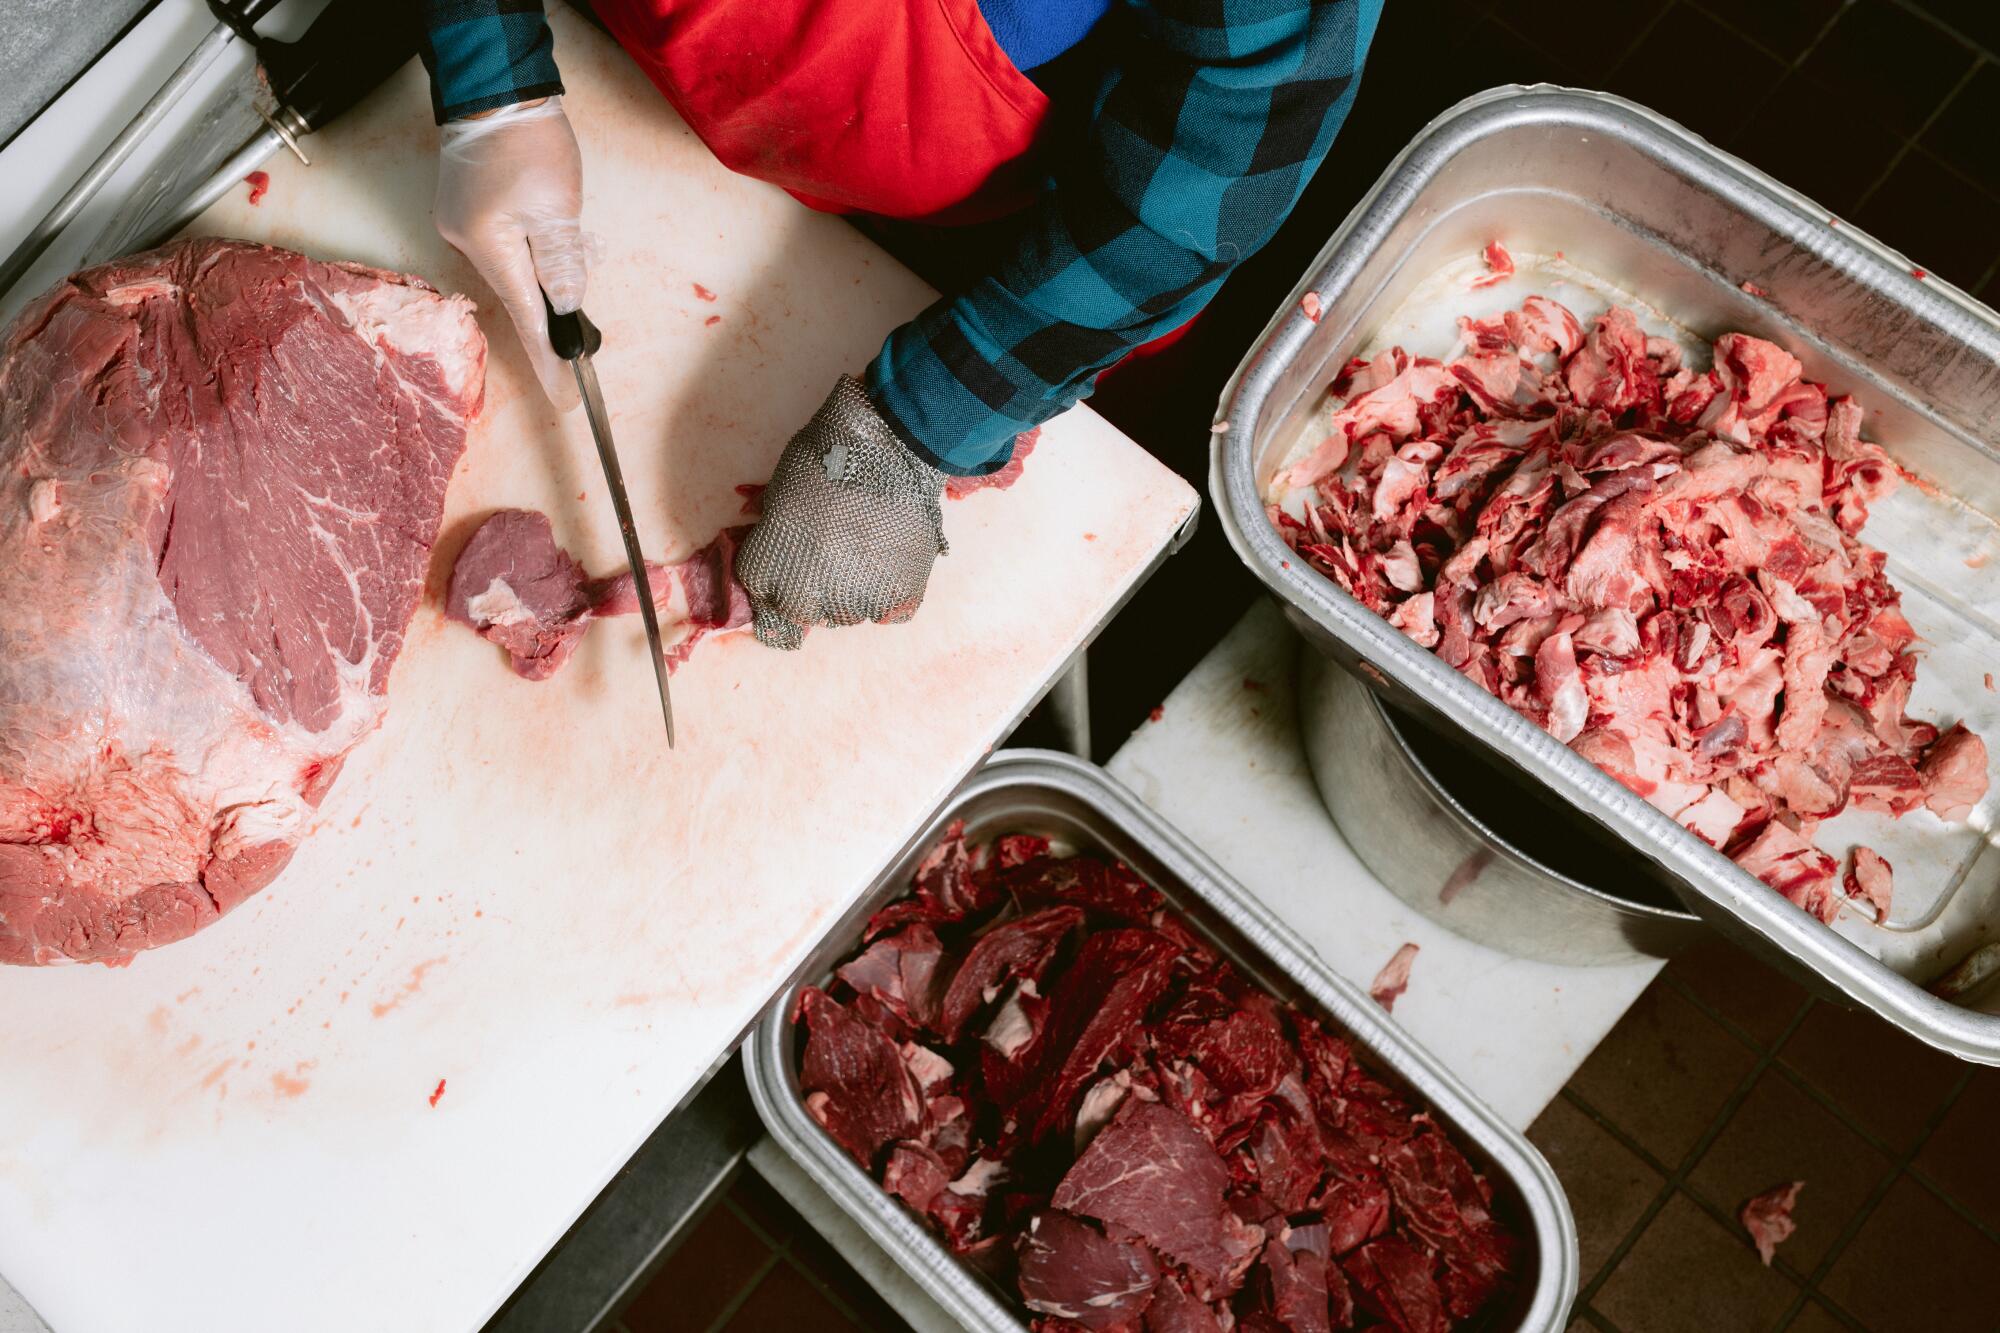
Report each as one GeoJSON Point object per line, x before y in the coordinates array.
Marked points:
{"type": "Point", "coordinates": [513, 888]}
{"type": "Point", "coordinates": [1224, 764]}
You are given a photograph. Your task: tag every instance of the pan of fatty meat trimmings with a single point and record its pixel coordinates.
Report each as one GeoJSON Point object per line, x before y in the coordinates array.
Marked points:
{"type": "Point", "coordinates": [1654, 549]}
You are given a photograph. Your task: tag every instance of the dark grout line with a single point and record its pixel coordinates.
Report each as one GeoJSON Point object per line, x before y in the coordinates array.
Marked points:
{"type": "Point", "coordinates": [1947, 1199]}
{"type": "Point", "coordinates": [1900, 1164]}
{"type": "Point", "coordinates": [1678, 1176]}
{"type": "Point", "coordinates": [1925, 14]}
{"type": "Point", "coordinates": [742, 1297]}
{"type": "Point", "coordinates": [785, 1255]}
{"type": "Point", "coordinates": [743, 1216]}
{"type": "Point", "coordinates": [1597, 1321]}
{"type": "Point", "coordinates": [1687, 993]}
{"type": "Point", "coordinates": [1910, 142]}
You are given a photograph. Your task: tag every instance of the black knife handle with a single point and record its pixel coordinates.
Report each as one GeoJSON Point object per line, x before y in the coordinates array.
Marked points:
{"type": "Point", "coordinates": [348, 52]}
{"type": "Point", "coordinates": [572, 335]}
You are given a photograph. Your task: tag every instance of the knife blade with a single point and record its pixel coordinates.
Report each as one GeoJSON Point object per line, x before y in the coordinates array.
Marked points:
{"type": "Point", "coordinates": [575, 339]}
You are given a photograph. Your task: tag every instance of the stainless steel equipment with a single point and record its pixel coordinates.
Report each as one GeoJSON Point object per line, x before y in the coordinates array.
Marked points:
{"type": "Point", "coordinates": [1083, 807]}
{"type": "Point", "coordinates": [1628, 195]}
{"type": "Point", "coordinates": [576, 341]}
{"type": "Point", "coordinates": [1417, 826]}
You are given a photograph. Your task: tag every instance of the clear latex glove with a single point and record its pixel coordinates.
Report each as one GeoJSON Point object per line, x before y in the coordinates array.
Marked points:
{"type": "Point", "coordinates": [510, 198]}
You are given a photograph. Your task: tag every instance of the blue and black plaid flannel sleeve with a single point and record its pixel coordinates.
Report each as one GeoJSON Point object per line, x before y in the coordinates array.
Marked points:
{"type": "Point", "coordinates": [483, 54]}
{"type": "Point", "coordinates": [1202, 138]}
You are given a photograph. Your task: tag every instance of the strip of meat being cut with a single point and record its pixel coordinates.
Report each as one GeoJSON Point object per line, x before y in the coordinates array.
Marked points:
{"type": "Point", "coordinates": [526, 595]}
{"type": "Point", "coordinates": [1659, 565]}
{"type": "Point", "coordinates": [520, 591]}
{"type": "Point", "coordinates": [222, 468]}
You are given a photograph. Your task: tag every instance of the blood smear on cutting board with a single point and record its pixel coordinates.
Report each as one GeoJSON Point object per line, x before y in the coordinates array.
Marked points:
{"type": "Point", "coordinates": [703, 292]}
{"type": "Point", "coordinates": [259, 183]}
{"type": "Point", "coordinates": [1752, 288]}
{"type": "Point", "coordinates": [1394, 978]}
{"type": "Point", "coordinates": [712, 321]}
{"type": "Point", "coordinates": [437, 1092]}
{"type": "Point", "coordinates": [1157, 713]}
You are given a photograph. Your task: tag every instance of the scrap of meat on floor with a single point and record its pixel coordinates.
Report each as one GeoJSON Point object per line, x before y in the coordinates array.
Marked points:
{"type": "Point", "coordinates": [517, 589]}
{"type": "Point", "coordinates": [1768, 1218]}
{"type": "Point", "coordinates": [184, 675]}
{"type": "Point", "coordinates": [1085, 1102]}
{"type": "Point", "coordinates": [1658, 564]}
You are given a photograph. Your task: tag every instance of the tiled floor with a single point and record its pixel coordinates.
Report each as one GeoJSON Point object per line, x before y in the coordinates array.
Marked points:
{"type": "Point", "coordinates": [1726, 1079]}
{"type": "Point", "coordinates": [751, 1265]}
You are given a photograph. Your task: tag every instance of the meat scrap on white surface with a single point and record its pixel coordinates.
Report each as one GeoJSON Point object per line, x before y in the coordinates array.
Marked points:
{"type": "Point", "coordinates": [1394, 978]}
{"type": "Point", "coordinates": [1658, 565]}
{"type": "Point", "coordinates": [1084, 1102]}
{"type": "Point", "coordinates": [222, 468]}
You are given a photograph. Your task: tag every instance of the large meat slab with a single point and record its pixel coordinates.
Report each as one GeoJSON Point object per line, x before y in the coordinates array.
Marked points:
{"type": "Point", "coordinates": [224, 466]}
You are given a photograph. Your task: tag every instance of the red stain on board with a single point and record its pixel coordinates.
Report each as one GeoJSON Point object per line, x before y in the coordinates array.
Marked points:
{"type": "Point", "coordinates": [703, 292]}
{"type": "Point", "coordinates": [1252, 684]}
{"type": "Point", "coordinates": [712, 321]}
{"type": "Point", "coordinates": [631, 1001]}
{"type": "Point", "coordinates": [292, 1084]}
{"type": "Point", "coordinates": [1157, 713]}
{"type": "Point", "coordinates": [1989, 680]}
{"type": "Point", "coordinates": [436, 1093]}
{"type": "Point", "coordinates": [260, 185]}
{"type": "Point", "coordinates": [410, 987]}
{"type": "Point", "coordinates": [1752, 289]}
{"type": "Point", "coordinates": [1918, 274]}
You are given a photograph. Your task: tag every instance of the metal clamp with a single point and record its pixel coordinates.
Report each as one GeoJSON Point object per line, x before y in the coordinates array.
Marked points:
{"type": "Point", "coordinates": [290, 127]}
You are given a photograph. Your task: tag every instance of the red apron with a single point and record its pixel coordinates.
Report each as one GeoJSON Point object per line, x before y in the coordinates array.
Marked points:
{"type": "Point", "coordinates": [903, 108]}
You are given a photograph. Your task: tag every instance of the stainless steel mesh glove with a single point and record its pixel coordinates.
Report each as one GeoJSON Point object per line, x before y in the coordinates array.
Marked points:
{"type": "Point", "coordinates": [851, 526]}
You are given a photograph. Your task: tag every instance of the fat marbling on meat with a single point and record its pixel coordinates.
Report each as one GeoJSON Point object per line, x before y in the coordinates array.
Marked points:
{"type": "Point", "coordinates": [222, 467]}
{"type": "Point", "coordinates": [1082, 1099]}
{"type": "Point", "coordinates": [1658, 564]}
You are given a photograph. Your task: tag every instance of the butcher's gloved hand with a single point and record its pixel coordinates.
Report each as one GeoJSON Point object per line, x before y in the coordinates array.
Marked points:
{"type": "Point", "coordinates": [510, 198]}
{"type": "Point", "coordinates": [851, 526]}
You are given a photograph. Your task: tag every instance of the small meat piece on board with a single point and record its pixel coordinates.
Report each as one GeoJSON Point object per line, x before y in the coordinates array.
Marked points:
{"type": "Point", "coordinates": [1071, 1270]}
{"type": "Point", "coordinates": [857, 1084]}
{"type": "Point", "coordinates": [1768, 1218]}
{"type": "Point", "coordinates": [520, 591]}
{"type": "Point", "coordinates": [222, 471]}
{"type": "Point", "coordinates": [1394, 978]}
{"type": "Point", "coordinates": [1151, 1172]}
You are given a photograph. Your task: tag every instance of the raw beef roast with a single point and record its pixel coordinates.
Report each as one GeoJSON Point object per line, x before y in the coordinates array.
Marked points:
{"type": "Point", "coordinates": [224, 467]}
{"type": "Point", "coordinates": [1658, 564]}
{"type": "Point", "coordinates": [1042, 1061]}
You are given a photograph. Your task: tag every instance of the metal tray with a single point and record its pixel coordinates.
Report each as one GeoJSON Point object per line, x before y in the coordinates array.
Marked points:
{"type": "Point", "coordinates": [1662, 217]}
{"type": "Point", "coordinates": [1084, 808]}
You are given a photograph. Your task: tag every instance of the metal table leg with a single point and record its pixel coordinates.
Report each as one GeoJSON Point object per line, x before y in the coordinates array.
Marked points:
{"type": "Point", "coordinates": [1069, 700]}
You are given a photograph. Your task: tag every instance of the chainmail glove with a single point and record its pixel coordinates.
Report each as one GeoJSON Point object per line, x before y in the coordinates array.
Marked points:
{"type": "Point", "coordinates": [851, 526]}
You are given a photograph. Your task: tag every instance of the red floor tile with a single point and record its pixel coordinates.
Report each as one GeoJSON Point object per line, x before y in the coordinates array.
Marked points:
{"type": "Point", "coordinates": [1663, 1073]}
{"type": "Point", "coordinates": [1918, 1267]}
{"type": "Point", "coordinates": [1891, 1084]}
{"type": "Point", "coordinates": [1608, 1186]}
{"type": "Point", "coordinates": [710, 1267]}
{"type": "Point", "coordinates": [786, 1301]}
{"type": "Point", "coordinates": [1961, 1158]}
{"type": "Point", "coordinates": [1687, 1274]}
{"type": "Point", "coordinates": [1779, 1135]}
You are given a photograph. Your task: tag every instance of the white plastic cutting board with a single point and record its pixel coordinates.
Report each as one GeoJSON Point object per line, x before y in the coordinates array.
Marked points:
{"type": "Point", "coordinates": [515, 891]}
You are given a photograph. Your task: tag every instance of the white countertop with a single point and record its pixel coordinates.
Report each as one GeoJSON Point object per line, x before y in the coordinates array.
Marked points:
{"type": "Point", "coordinates": [1224, 764]}
{"type": "Point", "coordinates": [514, 891]}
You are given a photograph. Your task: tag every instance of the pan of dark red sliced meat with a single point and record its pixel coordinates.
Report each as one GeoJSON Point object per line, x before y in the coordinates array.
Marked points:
{"type": "Point", "coordinates": [1676, 581]}
{"type": "Point", "coordinates": [1072, 1077]}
